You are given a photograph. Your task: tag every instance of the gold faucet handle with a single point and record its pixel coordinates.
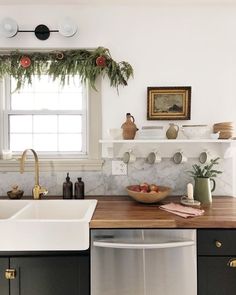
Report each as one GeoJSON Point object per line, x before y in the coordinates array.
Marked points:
{"type": "Point", "coordinates": [38, 191]}
{"type": "Point", "coordinates": [43, 191]}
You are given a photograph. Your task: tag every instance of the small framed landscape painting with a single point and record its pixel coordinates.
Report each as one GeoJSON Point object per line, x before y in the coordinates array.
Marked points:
{"type": "Point", "coordinates": [169, 103]}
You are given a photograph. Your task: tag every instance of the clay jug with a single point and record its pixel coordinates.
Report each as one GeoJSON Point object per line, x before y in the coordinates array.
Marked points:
{"type": "Point", "coordinates": [172, 131]}
{"type": "Point", "coordinates": [129, 128]}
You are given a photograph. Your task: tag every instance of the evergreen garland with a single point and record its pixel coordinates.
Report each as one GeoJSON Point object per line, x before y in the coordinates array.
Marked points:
{"type": "Point", "coordinates": [63, 64]}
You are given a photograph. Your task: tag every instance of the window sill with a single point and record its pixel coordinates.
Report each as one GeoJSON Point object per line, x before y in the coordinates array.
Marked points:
{"type": "Point", "coordinates": [53, 165]}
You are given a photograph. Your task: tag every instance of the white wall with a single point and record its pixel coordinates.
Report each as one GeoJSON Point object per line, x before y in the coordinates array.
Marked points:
{"type": "Point", "coordinates": [168, 45]}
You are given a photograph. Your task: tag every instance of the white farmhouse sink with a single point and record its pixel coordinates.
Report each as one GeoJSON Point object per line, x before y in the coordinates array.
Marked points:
{"type": "Point", "coordinates": [10, 208]}
{"type": "Point", "coordinates": [48, 225]}
{"type": "Point", "coordinates": [58, 210]}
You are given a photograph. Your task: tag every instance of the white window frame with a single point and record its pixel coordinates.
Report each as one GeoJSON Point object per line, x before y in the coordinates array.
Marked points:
{"type": "Point", "coordinates": [51, 155]}
{"type": "Point", "coordinates": [72, 161]}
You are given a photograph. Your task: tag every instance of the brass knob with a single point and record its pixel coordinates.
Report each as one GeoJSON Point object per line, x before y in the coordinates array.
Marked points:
{"type": "Point", "coordinates": [232, 263]}
{"type": "Point", "coordinates": [218, 244]}
{"type": "Point", "coordinates": [10, 274]}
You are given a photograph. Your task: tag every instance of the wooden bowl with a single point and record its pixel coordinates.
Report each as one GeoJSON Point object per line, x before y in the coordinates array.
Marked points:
{"type": "Point", "coordinates": [224, 124]}
{"type": "Point", "coordinates": [14, 196]}
{"type": "Point", "coordinates": [149, 198]}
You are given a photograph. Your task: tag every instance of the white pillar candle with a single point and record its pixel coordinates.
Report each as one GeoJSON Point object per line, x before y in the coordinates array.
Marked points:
{"type": "Point", "coordinates": [190, 191]}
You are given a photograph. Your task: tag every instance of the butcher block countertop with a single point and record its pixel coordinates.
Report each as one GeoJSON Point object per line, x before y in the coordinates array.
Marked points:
{"type": "Point", "coordinates": [122, 212]}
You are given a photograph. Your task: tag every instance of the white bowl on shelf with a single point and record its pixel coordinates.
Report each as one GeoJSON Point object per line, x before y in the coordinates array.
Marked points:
{"type": "Point", "coordinates": [215, 135]}
{"type": "Point", "coordinates": [115, 133]}
{"type": "Point", "coordinates": [196, 131]}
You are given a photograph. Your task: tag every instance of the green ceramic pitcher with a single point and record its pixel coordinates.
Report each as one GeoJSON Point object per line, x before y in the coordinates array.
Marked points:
{"type": "Point", "coordinates": [202, 189]}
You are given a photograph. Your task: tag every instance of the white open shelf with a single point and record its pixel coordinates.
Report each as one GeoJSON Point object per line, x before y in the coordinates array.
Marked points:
{"type": "Point", "coordinates": [223, 148]}
{"type": "Point", "coordinates": [137, 141]}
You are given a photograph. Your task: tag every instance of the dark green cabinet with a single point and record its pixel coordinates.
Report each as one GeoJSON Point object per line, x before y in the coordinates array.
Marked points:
{"type": "Point", "coordinates": [215, 276]}
{"type": "Point", "coordinates": [4, 284]}
{"type": "Point", "coordinates": [47, 275]}
{"type": "Point", "coordinates": [216, 262]}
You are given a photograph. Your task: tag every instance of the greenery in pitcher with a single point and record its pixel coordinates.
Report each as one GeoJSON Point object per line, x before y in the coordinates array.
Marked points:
{"type": "Point", "coordinates": [206, 171]}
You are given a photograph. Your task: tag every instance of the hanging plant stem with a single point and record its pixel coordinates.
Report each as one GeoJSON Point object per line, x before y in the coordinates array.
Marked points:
{"type": "Point", "coordinates": [72, 62]}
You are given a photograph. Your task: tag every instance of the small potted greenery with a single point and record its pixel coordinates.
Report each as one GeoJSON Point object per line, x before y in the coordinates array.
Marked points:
{"type": "Point", "coordinates": [202, 177]}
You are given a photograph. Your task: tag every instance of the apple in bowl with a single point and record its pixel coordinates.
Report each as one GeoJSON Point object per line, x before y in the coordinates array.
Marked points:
{"type": "Point", "coordinates": [148, 193]}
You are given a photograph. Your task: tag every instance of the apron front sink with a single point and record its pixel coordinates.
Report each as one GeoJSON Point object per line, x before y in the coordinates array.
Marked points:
{"type": "Point", "coordinates": [48, 225]}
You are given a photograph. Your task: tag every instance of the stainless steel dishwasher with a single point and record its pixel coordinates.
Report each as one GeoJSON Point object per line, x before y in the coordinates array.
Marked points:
{"type": "Point", "coordinates": [143, 262]}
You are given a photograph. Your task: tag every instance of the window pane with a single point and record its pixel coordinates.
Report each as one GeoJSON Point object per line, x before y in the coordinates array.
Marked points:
{"type": "Point", "coordinates": [25, 88]}
{"type": "Point", "coordinates": [70, 142]}
{"type": "Point", "coordinates": [22, 101]}
{"type": "Point", "coordinates": [20, 142]}
{"type": "Point", "coordinates": [45, 142]}
{"type": "Point", "coordinates": [70, 101]}
{"type": "Point", "coordinates": [70, 124]}
{"type": "Point", "coordinates": [44, 124]}
{"type": "Point", "coordinates": [46, 84]}
{"type": "Point", "coordinates": [42, 112]}
{"type": "Point", "coordinates": [20, 124]}
{"type": "Point", "coordinates": [74, 85]}
{"type": "Point", "coordinates": [46, 94]}
{"type": "Point", "coordinates": [46, 101]}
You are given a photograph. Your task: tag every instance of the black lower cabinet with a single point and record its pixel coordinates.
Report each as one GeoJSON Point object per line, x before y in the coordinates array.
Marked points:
{"type": "Point", "coordinates": [49, 275]}
{"type": "Point", "coordinates": [215, 276]}
{"type": "Point", "coordinates": [216, 262]}
{"type": "Point", "coordinates": [4, 284]}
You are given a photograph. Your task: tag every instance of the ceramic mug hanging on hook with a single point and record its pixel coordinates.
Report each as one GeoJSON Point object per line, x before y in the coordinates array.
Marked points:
{"type": "Point", "coordinates": [179, 158]}
{"type": "Point", "coordinates": [206, 157]}
{"type": "Point", "coordinates": [129, 157]}
{"type": "Point", "coordinates": [153, 158]}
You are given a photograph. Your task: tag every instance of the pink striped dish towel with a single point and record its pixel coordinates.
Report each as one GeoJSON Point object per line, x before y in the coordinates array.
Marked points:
{"type": "Point", "coordinates": [182, 211]}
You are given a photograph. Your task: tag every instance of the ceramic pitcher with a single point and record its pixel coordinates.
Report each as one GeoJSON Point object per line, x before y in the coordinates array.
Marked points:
{"type": "Point", "coordinates": [172, 131]}
{"type": "Point", "coordinates": [129, 128]}
{"type": "Point", "coordinates": [203, 190]}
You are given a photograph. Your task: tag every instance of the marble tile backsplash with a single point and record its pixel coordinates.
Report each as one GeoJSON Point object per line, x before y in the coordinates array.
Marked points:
{"type": "Point", "coordinates": [104, 183]}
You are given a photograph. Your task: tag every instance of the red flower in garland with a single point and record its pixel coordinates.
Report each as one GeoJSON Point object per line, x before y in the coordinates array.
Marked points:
{"type": "Point", "coordinates": [101, 61]}
{"type": "Point", "coordinates": [60, 55]}
{"type": "Point", "coordinates": [25, 61]}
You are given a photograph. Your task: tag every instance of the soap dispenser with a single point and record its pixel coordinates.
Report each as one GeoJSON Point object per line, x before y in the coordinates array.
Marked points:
{"type": "Point", "coordinates": [79, 189]}
{"type": "Point", "coordinates": [67, 188]}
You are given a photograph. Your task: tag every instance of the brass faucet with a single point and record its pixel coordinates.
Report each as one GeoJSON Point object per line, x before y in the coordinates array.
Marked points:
{"type": "Point", "coordinates": [37, 191]}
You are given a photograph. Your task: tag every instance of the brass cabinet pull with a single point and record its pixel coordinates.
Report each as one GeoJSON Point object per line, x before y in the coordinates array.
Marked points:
{"type": "Point", "coordinates": [10, 274]}
{"type": "Point", "coordinates": [232, 262]}
{"type": "Point", "coordinates": [218, 244]}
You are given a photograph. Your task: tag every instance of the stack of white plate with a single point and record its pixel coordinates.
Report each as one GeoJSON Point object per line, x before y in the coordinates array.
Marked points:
{"type": "Point", "coordinates": [151, 132]}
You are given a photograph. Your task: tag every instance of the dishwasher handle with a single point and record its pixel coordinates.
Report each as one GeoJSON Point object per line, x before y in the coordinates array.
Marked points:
{"type": "Point", "coordinates": [123, 245]}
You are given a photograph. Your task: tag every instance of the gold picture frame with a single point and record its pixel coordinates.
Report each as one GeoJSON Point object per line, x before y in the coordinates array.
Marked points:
{"type": "Point", "coordinates": [169, 103]}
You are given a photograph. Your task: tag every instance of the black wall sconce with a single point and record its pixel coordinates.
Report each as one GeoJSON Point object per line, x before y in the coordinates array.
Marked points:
{"type": "Point", "coordinates": [9, 28]}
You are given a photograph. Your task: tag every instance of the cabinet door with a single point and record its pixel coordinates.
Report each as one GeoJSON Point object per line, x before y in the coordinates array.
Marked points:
{"type": "Point", "coordinates": [57, 275]}
{"type": "Point", "coordinates": [4, 283]}
{"type": "Point", "coordinates": [215, 277]}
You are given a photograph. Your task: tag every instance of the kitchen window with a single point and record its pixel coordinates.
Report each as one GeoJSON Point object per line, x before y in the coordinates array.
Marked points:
{"type": "Point", "coordinates": [54, 120]}
{"type": "Point", "coordinates": [47, 117]}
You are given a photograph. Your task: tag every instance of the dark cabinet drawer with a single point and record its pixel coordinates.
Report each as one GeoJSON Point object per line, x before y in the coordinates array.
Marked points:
{"type": "Point", "coordinates": [216, 242]}
{"type": "Point", "coordinates": [215, 276]}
